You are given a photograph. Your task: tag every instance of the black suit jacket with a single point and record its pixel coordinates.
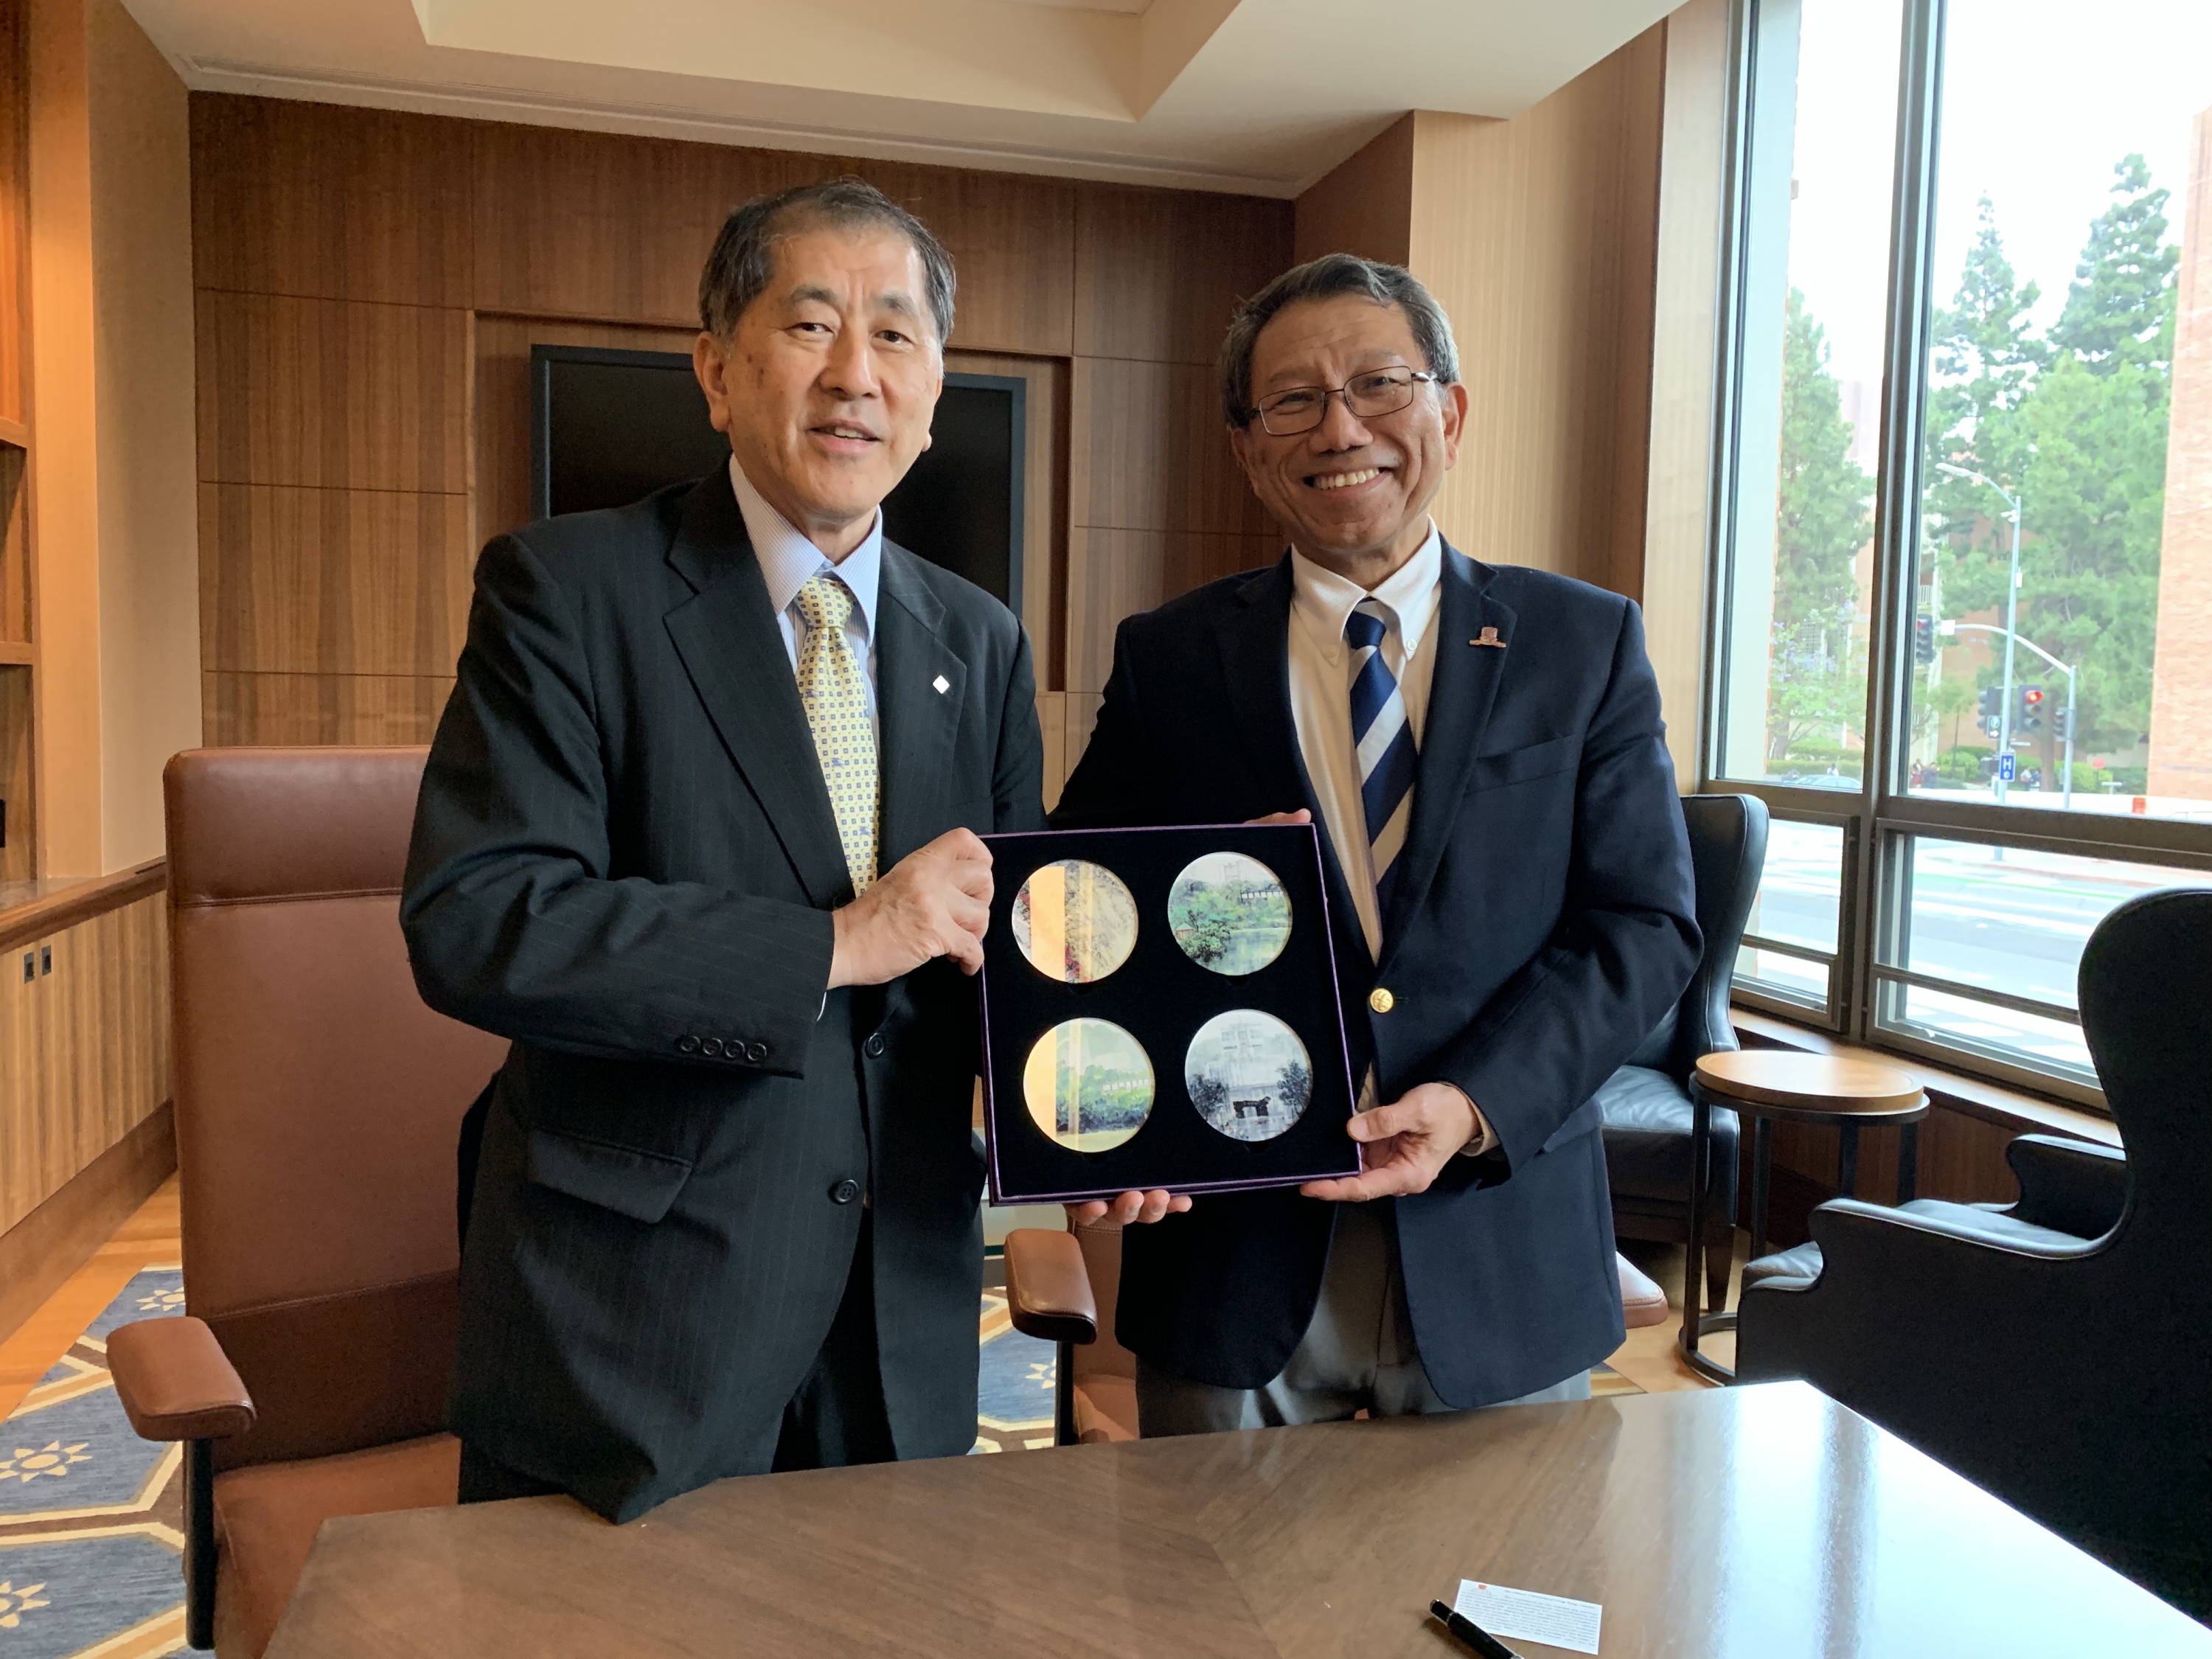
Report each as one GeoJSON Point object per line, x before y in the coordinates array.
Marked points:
{"type": "Point", "coordinates": [1542, 924]}
{"type": "Point", "coordinates": [624, 860]}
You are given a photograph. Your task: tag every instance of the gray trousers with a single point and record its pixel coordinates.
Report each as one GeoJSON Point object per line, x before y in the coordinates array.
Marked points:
{"type": "Point", "coordinates": [1358, 1353]}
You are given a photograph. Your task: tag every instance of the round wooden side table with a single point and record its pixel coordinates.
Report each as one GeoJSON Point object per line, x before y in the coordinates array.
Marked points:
{"type": "Point", "coordinates": [1768, 1084]}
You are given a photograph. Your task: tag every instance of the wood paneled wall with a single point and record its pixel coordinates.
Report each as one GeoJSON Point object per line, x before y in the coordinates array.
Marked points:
{"type": "Point", "coordinates": [369, 284]}
{"type": "Point", "coordinates": [84, 1046]}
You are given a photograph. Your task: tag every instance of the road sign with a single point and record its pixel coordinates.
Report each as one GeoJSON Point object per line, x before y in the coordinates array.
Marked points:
{"type": "Point", "coordinates": [2005, 763]}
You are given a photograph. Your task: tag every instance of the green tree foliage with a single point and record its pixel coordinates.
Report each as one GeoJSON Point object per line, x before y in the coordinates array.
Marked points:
{"type": "Point", "coordinates": [2076, 427]}
{"type": "Point", "coordinates": [1823, 519]}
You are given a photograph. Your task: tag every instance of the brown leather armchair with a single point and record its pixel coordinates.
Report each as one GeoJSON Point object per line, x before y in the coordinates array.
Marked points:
{"type": "Point", "coordinates": [1062, 1288]}
{"type": "Point", "coordinates": [317, 1104]}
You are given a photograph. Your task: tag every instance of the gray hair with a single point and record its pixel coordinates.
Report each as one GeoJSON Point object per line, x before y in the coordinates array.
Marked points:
{"type": "Point", "coordinates": [743, 263]}
{"type": "Point", "coordinates": [1324, 278]}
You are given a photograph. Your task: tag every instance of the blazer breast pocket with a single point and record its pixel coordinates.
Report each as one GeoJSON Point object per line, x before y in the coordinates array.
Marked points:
{"type": "Point", "coordinates": [637, 1184]}
{"type": "Point", "coordinates": [1535, 760]}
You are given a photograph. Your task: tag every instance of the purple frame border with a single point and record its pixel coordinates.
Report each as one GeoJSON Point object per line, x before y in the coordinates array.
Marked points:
{"type": "Point", "coordinates": [1336, 991]}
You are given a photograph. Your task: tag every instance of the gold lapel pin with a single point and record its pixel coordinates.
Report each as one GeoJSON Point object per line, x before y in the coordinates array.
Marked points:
{"type": "Point", "coordinates": [1489, 637]}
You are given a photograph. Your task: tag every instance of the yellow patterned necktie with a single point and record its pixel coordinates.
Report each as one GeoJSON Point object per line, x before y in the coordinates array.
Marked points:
{"type": "Point", "coordinates": [835, 689]}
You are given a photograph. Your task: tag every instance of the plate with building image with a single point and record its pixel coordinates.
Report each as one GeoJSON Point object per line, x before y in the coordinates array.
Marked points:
{"type": "Point", "coordinates": [1229, 912]}
{"type": "Point", "coordinates": [1075, 921]}
{"type": "Point", "coordinates": [1089, 1085]}
{"type": "Point", "coordinates": [1248, 1075]}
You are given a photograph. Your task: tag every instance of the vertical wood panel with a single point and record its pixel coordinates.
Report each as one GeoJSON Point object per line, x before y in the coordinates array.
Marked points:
{"type": "Point", "coordinates": [1364, 205]}
{"type": "Point", "coordinates": [589, 224]}
{"type": "Point", "coordinates": [1012, 243]}
{"type": "Point", "coordinates": [1158, 272]}
{"type": "Point", "coordinates": [14, 544]}
{"type": "Point", "coordinates": [83, 1051]}
{"type": "Point", "coordinates": [330, 201]}
{"type": "Point", "coordinates": [333, 393]}
{"type": "Point", "coordinates": [16, 728]}
{"type": "Point", "coordinates": [370, 709]}
{"type": "Point", "coordinates": [1148, 451]}
{"type": "Point", "coordinates": [15, 210]}
{"type": "Point", "coordinates": [332, 580]}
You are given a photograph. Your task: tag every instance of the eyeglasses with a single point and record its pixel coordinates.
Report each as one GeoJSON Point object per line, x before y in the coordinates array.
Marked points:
{"type": "Point", "coordinates": [1303, 408]}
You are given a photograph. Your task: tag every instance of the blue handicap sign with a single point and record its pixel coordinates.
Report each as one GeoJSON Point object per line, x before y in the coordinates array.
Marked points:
{"type": "Point", "coordinates": [2005, 764]}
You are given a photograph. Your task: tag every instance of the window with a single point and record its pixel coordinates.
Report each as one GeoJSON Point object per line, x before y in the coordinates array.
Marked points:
{"type": "Point", "coordinates": [1963, 622]}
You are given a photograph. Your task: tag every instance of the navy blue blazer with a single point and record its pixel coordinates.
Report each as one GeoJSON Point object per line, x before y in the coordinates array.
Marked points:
{"type": "Point", "coordinates": [1543, 923]}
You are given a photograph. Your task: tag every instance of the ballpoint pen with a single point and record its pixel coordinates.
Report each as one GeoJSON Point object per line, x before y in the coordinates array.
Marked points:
{"type": "Point", "coordinates": [1478, 1640]}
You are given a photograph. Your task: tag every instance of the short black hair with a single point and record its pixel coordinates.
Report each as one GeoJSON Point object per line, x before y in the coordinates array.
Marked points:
{"type": "Point", "coordinates": [743, 262]}
{"type": "Point", "coordinates": [1324, 278]}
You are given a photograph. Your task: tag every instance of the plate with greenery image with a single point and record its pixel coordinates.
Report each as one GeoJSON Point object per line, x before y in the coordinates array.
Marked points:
{"type": "Point", "coordinates": [1088, 1083]}
{"type": "Point", "coordinates": [1248, 1075]}
{"type": "Point", "coordinates": [1229, 912]}
{"type": "Point", "coordinates": [1075, 921]}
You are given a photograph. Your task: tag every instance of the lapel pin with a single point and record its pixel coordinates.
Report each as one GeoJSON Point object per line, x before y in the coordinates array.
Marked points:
{"type": "Point", "coordinates": [944, 685]}
{"type": "Point", "coordinates": [1489, 637]}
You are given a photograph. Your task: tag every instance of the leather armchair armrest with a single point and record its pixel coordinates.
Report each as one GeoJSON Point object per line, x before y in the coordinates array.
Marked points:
{"type": "Point", "coordinates": [2074, 1186]}
{"type": "Point", "coordinates": [176, 1382]}
{"type": "Point", "coordinates": [1047, 1288]}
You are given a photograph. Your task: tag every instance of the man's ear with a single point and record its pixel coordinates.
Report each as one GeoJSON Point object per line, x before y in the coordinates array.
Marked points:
{"type": "Point", "coordinates": [1454, 410]}
{"type": "Point", "coordinates": [712, 366]}
{"type": "Point", "coordinates": [1240, 446]}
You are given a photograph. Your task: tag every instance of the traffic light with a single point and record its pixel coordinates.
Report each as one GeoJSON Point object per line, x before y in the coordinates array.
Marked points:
{"type": "Point", "coordinates": [2029, 716]}
{"type": "Point", "coordinates": [2060, 720]}
{"type": "Point", "coordinates": [1924, 639]}
{"type": "Point", "coordinates": [1992, 705]}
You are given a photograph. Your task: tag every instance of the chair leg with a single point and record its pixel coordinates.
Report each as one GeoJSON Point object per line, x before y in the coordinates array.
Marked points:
{"type": "Point", "coordinates": [200, 1543]}
{"type": "Point", "coordinates": [1720, 1257]}
{"type": "Point", "coordinates": [1063, 1395]}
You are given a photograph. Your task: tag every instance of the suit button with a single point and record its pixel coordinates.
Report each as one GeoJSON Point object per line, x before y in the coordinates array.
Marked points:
{"type": "Point", "coordinates": [687, 1045]}
{"type": "Point", "coordinates": [845, 1192]}
{"type": "Point", "coordinates": [873, 1048]}
{"type": "Point", "coordinates": [712, 1046]}
{"type": "Point", "coordinates": [756, 1052]}
{"type": "Point", "coordinates": [1381, 1000]}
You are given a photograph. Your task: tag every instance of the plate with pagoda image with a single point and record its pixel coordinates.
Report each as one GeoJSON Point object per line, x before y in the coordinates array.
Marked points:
{"type": "Point", "coordinates": [1248, 1075]}
{"type": "Point", "coordinates": [1075, 921]}
{"type": "Point", "coordinates": [1229, 912]}
{"type": "Point", "coordinates": [1088, 1084]}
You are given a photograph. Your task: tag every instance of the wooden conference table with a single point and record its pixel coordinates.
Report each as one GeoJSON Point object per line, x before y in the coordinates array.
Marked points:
{"type": "Point", "coordinates": [1766, 1522]}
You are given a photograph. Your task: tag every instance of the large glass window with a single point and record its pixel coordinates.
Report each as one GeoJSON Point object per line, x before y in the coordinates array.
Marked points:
{"type": "Point", "coordinates": [1963, 641]}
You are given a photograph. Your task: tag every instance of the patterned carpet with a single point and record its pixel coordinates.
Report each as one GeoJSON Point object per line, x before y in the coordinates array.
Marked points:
{"type": "Point", "coordinates": [91, 1517]}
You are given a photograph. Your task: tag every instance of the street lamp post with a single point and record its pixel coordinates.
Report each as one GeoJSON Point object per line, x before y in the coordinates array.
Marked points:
{"type": "Point", "coordinates": [2011, 621]}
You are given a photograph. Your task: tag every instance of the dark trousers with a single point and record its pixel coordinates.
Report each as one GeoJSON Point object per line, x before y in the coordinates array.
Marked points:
{"type": "Point", "coordinates": [835, 1419]}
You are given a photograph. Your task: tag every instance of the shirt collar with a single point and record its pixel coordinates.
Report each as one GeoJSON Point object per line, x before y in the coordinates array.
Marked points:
{"type": "Point", "coordinates": [789, 560]}
{"type": "Point", "coordinates": [1324, 599]}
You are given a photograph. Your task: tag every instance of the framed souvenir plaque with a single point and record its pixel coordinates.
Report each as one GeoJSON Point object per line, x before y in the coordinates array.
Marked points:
{"type": "Point", "coordinates": [1160, 1010]}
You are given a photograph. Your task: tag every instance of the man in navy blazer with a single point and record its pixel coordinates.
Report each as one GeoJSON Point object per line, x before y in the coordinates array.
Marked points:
{"type": "Point", "coordinates": [1510, 884]}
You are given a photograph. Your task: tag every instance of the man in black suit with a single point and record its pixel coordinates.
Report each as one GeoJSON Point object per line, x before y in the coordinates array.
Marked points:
{"type": "Point", "coordinates": [1510, 885]}
{"type": "Point", "coordinates": [698, 832]}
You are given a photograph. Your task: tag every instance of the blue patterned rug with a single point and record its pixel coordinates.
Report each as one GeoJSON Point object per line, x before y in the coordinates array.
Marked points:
{"type": "Point", "coordinates": [91, 1517]}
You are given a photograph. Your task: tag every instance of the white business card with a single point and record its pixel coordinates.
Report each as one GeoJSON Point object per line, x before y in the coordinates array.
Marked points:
{"type": "Point", "coordinates": [1555, 1619]}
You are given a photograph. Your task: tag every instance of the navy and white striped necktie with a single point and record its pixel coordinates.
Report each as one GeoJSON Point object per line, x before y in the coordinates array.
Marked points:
{"type": "Point", "coordinates": [1382, 739]}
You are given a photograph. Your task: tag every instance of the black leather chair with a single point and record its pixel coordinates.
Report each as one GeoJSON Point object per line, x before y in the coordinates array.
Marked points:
{"type": "Point", "coordinates": [1647, 1102]}
{"type": "Point", "coordinates": [2069, 1374]}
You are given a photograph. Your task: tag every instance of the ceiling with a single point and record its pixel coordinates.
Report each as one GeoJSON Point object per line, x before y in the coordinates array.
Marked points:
{"type": "Point", "coordinates": [1256, 97]}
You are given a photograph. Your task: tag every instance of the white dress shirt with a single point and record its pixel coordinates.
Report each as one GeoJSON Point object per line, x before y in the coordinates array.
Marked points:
{"type": "Point", "coordinates": [788, 562]}
{"type": "Point", "coordinates": [1321, 708]}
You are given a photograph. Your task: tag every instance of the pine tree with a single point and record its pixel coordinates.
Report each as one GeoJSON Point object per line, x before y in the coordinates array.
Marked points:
{"type": "Point", "coordinates": [1822, 521]}
{"type": "Point", "coordinates": [2120, 307]}
{"type": "Point", "coordinates": [1985, 359]}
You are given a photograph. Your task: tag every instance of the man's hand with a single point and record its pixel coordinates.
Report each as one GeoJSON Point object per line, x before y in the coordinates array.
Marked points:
{"type": "Point", "coordinates": [1404, 1145]}
{"type": "Point", "coordinates": [935, 902]}
{"type": "Point", "coordinates": [1302, 816]}
{"type": "Point", "coordinates": [1131, 1207]}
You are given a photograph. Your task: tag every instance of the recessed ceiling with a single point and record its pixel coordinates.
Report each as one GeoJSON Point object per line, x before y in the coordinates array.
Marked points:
{"type": "Point", "coordinates": [1257, 96]}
